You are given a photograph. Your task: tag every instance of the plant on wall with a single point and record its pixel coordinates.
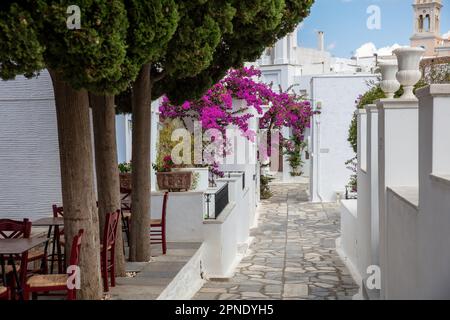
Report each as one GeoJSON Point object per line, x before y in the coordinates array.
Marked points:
{"type": "Point", "coordinates": [374, 93]}
{"type": "Point", "coordinates": [265, 191]}
{"type": "Point", "coordinates": [125, 167]}
{"type": "Point", "coordinates": [215, 109]}
{"type": "Point", "coordinates": [293, 148]}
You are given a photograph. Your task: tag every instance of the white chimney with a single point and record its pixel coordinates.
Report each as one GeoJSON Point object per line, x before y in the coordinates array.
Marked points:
{"type": "Point", "coordinates": [321, 41]}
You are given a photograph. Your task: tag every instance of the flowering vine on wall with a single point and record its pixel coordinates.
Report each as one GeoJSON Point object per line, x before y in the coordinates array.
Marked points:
{"type": "Point", "coordinates": [215, 109]}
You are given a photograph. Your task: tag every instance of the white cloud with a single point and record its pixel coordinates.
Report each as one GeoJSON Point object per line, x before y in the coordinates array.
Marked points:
{"type": "Point", "coordinates": [446, 35]}
{"type": "Point", "coordinates": [369, 49]}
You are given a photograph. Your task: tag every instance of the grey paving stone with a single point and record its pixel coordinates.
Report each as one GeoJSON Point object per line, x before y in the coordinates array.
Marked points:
{"type": "Point", "coordinates": [293, 254]}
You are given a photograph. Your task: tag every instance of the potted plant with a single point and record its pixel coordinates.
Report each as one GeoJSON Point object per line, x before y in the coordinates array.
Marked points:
{"type": "Point", "coordinates": [125, 177]}
{"type": "Point", "coordinates": [173, 181]}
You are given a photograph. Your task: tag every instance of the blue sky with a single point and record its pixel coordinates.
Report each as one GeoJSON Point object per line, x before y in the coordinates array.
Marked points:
{"type": "Point", "coordinates": [345, 24]}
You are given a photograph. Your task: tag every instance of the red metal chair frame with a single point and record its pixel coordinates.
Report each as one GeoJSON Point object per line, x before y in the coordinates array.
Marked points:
{"type": "Point", "coordinates": [125, 207]}
{"type": "Point", "coordinates": [158, 236]}
{"type": "Point", "coordinates": [109, 245]}
{"type": "Point", "coordinates": [74, 261]}
{"type": "Point", "coordinates": [5, 295]}
{"type": "Point", "coordinates": [58, 212]}
{"type": "Point", "coordinates": [12, 229]}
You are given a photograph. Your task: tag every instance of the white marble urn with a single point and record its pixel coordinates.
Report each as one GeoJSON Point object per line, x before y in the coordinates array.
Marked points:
{"type": "Point", "coordinates": [409, 69]}
{"type": "Point", "coordinates": [389, 83]}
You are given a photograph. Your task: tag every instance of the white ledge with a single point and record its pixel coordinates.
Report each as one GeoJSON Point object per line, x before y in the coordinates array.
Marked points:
{"type": "Point", "coordinates": [223, 216]}
{"type": "Point", "coordinates": [409, 195]}
{"type": "Point", "coordinates": [441, 178]}
{"type": "Point", "coordinates": [383, 104]}
{"type": "Point", "coordinates": [350, 206]}
{"type": "Point", "coordinates": [181, 193]}
{"type": "Point", "coordinates": [371, 108]}
{"type": "Point", "coordinates": [434, 90]}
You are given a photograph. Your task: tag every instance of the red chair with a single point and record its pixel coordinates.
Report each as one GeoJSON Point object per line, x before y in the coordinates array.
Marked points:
{"type": "Point", "coordinates": [4, 293]}
{"type": "Point", "coordinates": [158, 227]}
{"type": "Point", "coordinates": [11, 229]}
{"type": "Point", "coordinates": [125, 212]}
{"type": "Point", "coordinates": [109, 245]}
{"type": "Point", "coordinates": [58, 212]}
{"type": "Point", "coordinates": [57, 282]}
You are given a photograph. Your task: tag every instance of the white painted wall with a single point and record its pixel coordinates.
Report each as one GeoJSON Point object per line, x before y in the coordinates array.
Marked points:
{"type": "Point", "coordinates": [29, 151]}
{"type": "Point", "coordinates": [434, 177]}
{"type": "Point", "coordinates": [336, 95]}
{"type": "Point", "coordinates": [414, 196]}
{"type": "Point", "coordinates": [372, 172]}
{"type": "Point", "coordinates": [346, 245]}
{"type": "Point", "coordinates": [398, 130]}
{"type": "Point", "coordinates": [363, 221]}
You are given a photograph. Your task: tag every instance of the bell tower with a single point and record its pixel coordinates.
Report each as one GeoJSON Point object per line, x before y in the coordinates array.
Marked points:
{"type": "Point", "coordinates": [427, 26]}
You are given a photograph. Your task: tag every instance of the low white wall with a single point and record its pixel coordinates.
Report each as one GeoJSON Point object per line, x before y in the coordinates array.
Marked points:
{"type": "Point", "coordinates": [185, 212]}
{"type": "Point", "coordinates": [188, 281]}
{"type": "Point", "coordinates": [240, 196]}
{"type": "Point", "coordinates": [223, 238]}
{"type": "Point", "coordinates": [221, 249]}
{"type": "Point", "coordinates": [347, 243]}
{"type": "Point", "coordinates": [401, 256]}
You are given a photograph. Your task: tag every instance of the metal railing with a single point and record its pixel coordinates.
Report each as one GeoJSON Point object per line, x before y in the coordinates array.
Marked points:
{"type": "Point", "coordinates": [221, 200]}
{"type": "Point", "coordinates": [216, 202]}
{"type": "Point", "coordinates": [229, 173]}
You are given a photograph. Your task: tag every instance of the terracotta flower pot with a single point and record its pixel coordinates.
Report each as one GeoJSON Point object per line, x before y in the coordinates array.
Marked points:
{"type": "Point", "coordinates": [174, 181]}
{"type": "Point", "coordinates": [125, 182]}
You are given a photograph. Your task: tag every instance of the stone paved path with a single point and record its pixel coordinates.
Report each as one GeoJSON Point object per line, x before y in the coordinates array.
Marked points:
{"type": "Point", "coordinates": [293, 254]}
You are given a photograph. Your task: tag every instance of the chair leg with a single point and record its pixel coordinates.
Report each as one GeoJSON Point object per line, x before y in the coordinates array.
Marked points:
{"type": "Point", "coordinates": [163, 237]}
{"type": "Point", "coordinates": [71, 295]}
{"type": "Point", "coordinates": [105, 272]}
{"type": "Point", "coordinates": [113, 268]}
{"type": "Point", "coordinates": [26, 293]}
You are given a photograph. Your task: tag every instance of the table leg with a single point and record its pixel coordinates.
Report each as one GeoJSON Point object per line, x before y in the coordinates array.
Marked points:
{"type": "Point", "coordinates": [58, 250]}
{"type": "Point", "coordinates": [53, 250]}
{"type": "Point", "coordinates": [19, 288]}
{"type": "Point", "coordinates": [46, 249]}
{"type": "Point", "coordinates": [2, 262]}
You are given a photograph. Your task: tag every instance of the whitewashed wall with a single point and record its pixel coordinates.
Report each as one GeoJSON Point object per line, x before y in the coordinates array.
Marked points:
{"type": "Point", "coordinates": [434, 198]}
{"type": "Point", "coordinates": [29, 152]}
{"type": "Point", "coordinates": [336, 95]}
{"type": "Point", "coordinates": [413, 196]}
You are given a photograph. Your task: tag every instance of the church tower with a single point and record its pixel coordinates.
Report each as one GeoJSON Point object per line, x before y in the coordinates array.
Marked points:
{"type": "Point", "coordinates": [427, 26]}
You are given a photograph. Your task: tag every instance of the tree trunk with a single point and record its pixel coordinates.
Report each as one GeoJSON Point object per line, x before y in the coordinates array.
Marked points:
{"type": "Point", "coordinates": [140, 196]}
{"type": "Point", "coordinates": [106, 164]}
{"type": "Point", "coordinates": [77, 180]}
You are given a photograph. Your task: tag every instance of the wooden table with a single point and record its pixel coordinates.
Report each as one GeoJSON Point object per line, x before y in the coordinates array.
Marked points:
{"type": "Point", "coordinates": [53, 223]}
{"type": "Point", "coordinates": [17, 247]}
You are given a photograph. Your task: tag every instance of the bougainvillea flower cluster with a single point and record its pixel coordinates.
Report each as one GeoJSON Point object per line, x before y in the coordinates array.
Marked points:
{"type": "Point", "coordinates": [215, 109]}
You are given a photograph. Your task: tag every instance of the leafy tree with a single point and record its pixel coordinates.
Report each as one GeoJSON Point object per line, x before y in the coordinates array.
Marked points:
{"type": "Point", "coordinates": [211, 37]}
{"type": "Point", "coordinates": [34, 35]}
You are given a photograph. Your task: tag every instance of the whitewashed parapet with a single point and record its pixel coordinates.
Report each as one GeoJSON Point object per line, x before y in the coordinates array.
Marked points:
{"type": "Point", "coordinates": [372, 174]}
{"type": "Point", "coordinates": [397, 159]}
{"type": "Point", "coordinates": [433, 255]}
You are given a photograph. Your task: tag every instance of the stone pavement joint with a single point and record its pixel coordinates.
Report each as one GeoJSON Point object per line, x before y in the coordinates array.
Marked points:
{"type": "Point", "coordinates": [293, 255]}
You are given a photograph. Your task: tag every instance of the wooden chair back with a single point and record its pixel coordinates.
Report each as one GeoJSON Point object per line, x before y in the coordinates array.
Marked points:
{"type": "Point", "coordinates": [12, 229]}
{"type": "Point", "coordinates": [110, 231]}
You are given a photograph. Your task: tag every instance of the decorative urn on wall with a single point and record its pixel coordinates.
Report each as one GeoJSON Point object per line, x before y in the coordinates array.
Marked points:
{"type": "Point", "coordinates": [409, 69]}
{"type": "Point", "coordinates": [389, 83]}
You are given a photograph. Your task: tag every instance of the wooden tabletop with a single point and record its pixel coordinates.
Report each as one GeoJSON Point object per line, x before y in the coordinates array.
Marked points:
{"type": "Point", "coordinates": [45, 222]}
{"type": "Point", "coordinates": [19, 246]}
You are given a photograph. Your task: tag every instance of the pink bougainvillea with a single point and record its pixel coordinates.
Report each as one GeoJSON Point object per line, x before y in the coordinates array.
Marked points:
{"type": "Point", "coordinates": [215, 109]}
